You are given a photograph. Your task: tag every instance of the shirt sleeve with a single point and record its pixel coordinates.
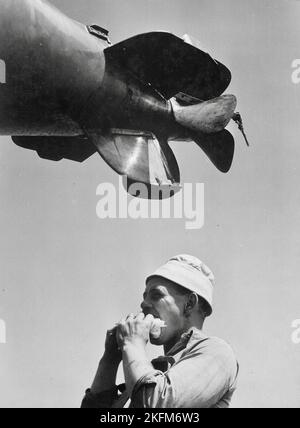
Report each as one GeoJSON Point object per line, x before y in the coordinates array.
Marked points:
{"type": "Point", "coordinates": [99, 401]}
{"type": "Point", "coordinates": [199, 380]}
{"type": "Point", "coordinates": [102, 400]}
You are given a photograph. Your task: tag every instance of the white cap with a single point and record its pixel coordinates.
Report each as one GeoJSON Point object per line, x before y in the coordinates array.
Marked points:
{"type": "Point", "coordinates": [190, 273]}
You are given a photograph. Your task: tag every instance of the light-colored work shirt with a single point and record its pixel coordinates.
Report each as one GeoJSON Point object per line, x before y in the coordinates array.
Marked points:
{"type": "Point", "coordinates": [198, 372]}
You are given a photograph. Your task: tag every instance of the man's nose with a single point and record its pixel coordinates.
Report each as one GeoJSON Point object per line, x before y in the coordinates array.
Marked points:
{"type": "Point", "coordinates": [145, 306]}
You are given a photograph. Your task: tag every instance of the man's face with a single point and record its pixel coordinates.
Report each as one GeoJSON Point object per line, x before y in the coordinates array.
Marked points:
{"type": "Point", "coordinates": [162, 301]}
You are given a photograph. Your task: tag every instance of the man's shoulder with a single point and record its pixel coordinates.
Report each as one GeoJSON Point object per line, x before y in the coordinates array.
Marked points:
{"type": "Point", "coordinates": [221, 346]}
{"type": "Point", "coordinates": [212, 345]}
{"type": "Point", "coordinates": [219, 343]}
{"type": "Point", "coordinates": [216, 352]}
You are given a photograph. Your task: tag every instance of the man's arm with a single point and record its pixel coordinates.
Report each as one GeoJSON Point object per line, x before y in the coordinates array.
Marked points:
{"type": "Point", "coordinates": [106, 374]}
{"type": "Point", "coordinates": [103, 391]}
{"type": "Point", "coordinates": [135, 364]}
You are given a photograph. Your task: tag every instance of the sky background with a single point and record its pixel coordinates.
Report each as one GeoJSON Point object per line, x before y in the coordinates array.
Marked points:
{"type": "Point", "coordinates": [66, 276]}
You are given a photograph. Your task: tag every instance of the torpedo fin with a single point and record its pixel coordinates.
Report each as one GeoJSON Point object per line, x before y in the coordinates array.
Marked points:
{"type": "Point", "coordinates": [219, 148]}
{"type": "Point", "coordinates": [142, 158]}
{"type": "Point", "coordinates": [77, 149]}
{"type": "Point", "coordinates": [171, 65]}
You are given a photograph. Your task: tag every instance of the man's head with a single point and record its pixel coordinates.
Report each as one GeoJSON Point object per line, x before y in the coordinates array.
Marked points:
{"type": "Point", "coordinates": [179, 293]}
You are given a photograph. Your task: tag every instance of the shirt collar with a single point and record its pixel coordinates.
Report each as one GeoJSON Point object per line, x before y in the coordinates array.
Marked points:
{"type": "Point", "coordinates": [187, 338]}
{"type": "Point", "coordinates": [187, 341]}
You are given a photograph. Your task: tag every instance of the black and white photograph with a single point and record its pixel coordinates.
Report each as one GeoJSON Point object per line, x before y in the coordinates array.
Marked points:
{"type": "Point", "coordinates": [149, 206]}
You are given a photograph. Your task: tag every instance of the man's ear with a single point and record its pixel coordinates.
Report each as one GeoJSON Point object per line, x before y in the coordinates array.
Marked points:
{"type": "Point", "coordinates": [191, 304]}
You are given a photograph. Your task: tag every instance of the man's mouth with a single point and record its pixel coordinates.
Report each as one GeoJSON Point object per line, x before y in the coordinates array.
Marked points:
{"type": "Point", "coordinates": [151, 313]}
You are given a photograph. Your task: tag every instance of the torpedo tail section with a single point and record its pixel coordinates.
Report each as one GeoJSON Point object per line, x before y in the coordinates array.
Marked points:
{"type": "Point", "coordinates": [192, 82]}
{"type": "Point", "coordinates": [205, 123]}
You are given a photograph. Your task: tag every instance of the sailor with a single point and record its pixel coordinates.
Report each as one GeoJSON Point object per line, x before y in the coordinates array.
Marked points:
{"type": "Point", "coordinates": [196, 371]}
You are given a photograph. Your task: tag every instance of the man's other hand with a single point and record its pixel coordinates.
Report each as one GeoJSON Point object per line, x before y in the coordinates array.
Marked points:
{"type": "Point", "coordinates": [112, 350]}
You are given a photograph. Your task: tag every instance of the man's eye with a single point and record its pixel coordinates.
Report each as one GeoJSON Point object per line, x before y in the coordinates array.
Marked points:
{"type": "Point", "coordinates": [156, 296]}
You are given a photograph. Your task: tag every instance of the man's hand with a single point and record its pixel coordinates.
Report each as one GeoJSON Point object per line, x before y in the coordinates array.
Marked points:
{"type": "Point", "coordinates": [134, 330]}
{"type": "Point", "coordinates": [132, 337]}
{"type": "Point", "coordinates": [112, 350]}
{"type": "Point", "coordinates": [105, 378]}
